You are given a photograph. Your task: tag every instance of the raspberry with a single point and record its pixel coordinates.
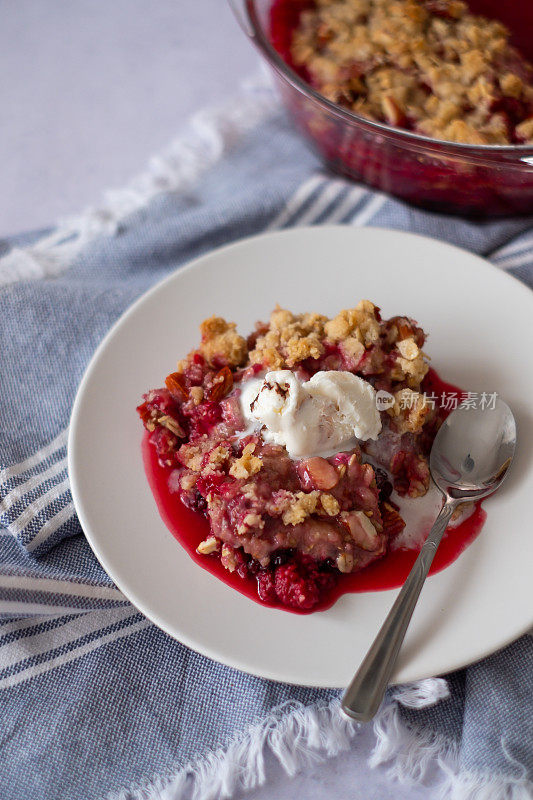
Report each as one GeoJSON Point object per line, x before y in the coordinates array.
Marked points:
{"type": "Point", "coordinates": [165, 444]}
{"type": "Point", "coordinates": [265, 586]}
{"type": "Point", "coordinates": [294, 580]}
{"type": "Point", "coordinates": [296, 583]}
{"type": "Point", "coordinates": [205, 416]}
{"type": "Point", "coordinates": [211, 484]}
{"type": "Point", "coordinates": [158, 400]}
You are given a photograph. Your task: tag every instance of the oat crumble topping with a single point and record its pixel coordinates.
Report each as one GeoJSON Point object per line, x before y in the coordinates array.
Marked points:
{"type": "Point", "coordinates": [426, 65]}
{"type": "Point", "coordinates": [247, 465]}
{"type": "Point", "coordinates": [221, 344]}
{"type": "Point", "coordinates": [289, 338]}
{"type": "Point", "coordinates": [301, 507]}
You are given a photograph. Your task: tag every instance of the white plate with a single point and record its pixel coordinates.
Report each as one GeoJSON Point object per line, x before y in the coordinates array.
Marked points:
{"type": "Point", "coordinates": [480, 337]}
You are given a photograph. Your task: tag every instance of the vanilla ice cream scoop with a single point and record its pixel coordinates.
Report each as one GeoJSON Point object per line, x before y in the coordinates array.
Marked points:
{"type": "Point", "coordinates": [321, 416]}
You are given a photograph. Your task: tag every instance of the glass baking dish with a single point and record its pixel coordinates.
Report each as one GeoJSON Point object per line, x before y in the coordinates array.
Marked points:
{"type": "Point", "coordinates": [475, 180]}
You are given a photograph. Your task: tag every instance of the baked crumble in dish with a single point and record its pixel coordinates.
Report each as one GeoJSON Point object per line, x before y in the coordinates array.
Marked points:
{"type": "Point", "coordinates": [297, 512]}
{"type": "Point", "coordinates": [429, 66]}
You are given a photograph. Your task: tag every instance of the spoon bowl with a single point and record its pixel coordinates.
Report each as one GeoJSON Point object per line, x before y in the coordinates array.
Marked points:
{"type": "Point", "coordinates": [473, 450]}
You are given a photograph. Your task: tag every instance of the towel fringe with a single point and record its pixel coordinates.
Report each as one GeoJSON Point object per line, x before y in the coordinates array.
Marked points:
{"type": "Point", "coordinates": [210, 134]}
{"type": "Point", "coordinates": [295, 734]}
{"type": "Point", "coordinates": [470, 786]}
{"type": "Point", "coordinates": [298, 735]}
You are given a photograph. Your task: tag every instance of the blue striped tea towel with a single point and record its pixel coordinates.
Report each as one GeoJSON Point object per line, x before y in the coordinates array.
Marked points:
{"type": "Point", "coordinates": [96, 701]}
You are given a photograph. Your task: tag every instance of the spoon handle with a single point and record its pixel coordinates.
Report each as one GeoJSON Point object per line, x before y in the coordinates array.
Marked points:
{"type": "Point", "coordinates": [363, 696]}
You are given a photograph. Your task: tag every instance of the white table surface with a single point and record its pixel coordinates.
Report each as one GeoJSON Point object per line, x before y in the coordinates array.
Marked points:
{"type": "Point", "coordinates": [90, 89]}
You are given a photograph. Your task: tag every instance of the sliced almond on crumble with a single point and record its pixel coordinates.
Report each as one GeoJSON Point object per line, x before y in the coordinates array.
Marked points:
{"type": "Point", "coordinates": [171, 425]}
{"type": "Point", "coordinates": [392, 111]}
{"type": "Point", "coordinates": [222, 384]}
{"type": "Point", "coordinates": [209, 545]}
{"type": "Point", "coordinates": [345, 562]}
{"type": "Point", "coordinates": [319, 472]}
{"type": "Point", "coordinates": [362, 531]}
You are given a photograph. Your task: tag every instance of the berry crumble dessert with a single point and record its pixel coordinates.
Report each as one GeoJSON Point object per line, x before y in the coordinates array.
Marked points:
{"type": "Point", "coordinates": [429, 66]}
{"type": "Point", "coordinates": [290, 443]}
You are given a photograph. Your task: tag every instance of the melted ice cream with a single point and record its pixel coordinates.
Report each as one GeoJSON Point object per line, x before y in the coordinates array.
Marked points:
{"type": "Point", "coordinates": [329, 413]}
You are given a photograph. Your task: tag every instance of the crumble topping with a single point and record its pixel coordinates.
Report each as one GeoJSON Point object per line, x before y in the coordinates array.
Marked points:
{"type": "Point", "coordinates": [228, 558]}
{"type": "Point", "coordinates": [353, 348]}
{"type": "Point", "coordinates": [188, 481]}
{"type": "Point", "coordinates": [289, 339]}
{"type": "Point", "coordinates": [294, 522]}
{"type": "Point", "coordinates": [247, 465]}
{"type": "Point", "coordinates": [221, 344]}
{"type": "Point", "coordinates": [425, 65]}
{"type": "Point", "coordinates": [191, 456]}
{"type": "Point", "coordinates": [357, 334]}
{"type": "Point", "coordinates": [413, 370]}
{"type": "Point", "coordinates": [196, 394]}
{"type": "Point", "coordinates": [301, 507]}
{"type": "Point", "coordinates": [525, 130]}
{"type": "Point", "coordinates": [330, 504]}
{"type": "Point", "coordinates": [408, 348]}
{"type": "Point", "coordinates": [359, 323]}
{"type": "Point", "coordinates": [294, 508]}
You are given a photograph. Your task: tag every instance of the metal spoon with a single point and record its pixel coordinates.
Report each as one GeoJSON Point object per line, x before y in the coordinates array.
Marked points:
{"type": "Point", "coordinates": [469, 459]}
